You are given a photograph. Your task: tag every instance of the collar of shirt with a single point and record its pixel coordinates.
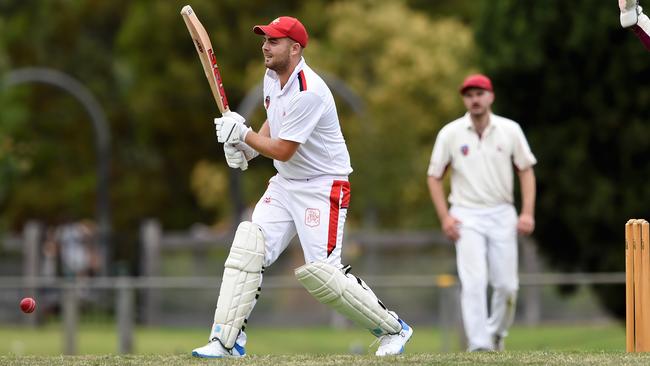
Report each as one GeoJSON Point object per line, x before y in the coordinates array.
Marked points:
{"type": "Point", "coordinates": [272, 74]}
{"type": "Point", "coordinates": [469, 125]}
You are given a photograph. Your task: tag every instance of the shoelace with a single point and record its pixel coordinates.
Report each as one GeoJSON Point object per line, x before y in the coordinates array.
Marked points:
{"type": "Point", "coordinates": [215, 339]}
{"type": "Point", "coordinates": [382, 340]}
{"type": "Point", "coordinates": [377, 340]}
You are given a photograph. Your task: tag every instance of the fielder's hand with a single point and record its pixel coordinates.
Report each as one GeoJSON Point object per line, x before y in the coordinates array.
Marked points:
{"type": "Point", "coordinates": [450, 227]}
{"type": "Point", "coordinates": [234, 157]}
{"type": "Point", "coordinates": [230, 130]}
{"type": "Point", "coordinates": [525, 224]}
{"type": "Point", "coordinates": [630, 11]}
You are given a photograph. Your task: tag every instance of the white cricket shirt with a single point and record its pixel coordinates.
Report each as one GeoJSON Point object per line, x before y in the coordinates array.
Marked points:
{"type": "Point", "coordinates": [481, 167]}
{"type": "Point", "coordinates": [304, 111]}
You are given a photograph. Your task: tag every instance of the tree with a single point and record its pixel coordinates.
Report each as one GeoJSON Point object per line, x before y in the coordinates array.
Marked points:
{"type": "Point", "coordinates": [136, 57]}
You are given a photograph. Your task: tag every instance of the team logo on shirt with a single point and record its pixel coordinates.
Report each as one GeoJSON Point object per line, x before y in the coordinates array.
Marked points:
{"type": "Point", "coordinates": [267, 102]}
{"type": "Point", "coordinates": [267, 199]}
{"type": "Point", "coordinates": [312, 217]}
{"type": "Point", "coordinates": [464, 150]}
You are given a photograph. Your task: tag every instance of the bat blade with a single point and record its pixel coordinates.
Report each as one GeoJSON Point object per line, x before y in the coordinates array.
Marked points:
{"type": "Point", "coordinates": [205, 51]}
{"type": "Point", "coordinates": [206, 54]}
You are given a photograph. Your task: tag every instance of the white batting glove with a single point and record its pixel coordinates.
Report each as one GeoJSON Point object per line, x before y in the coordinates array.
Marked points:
{"type": "Point", "coordinates": [234, 157]}
{"type": "Point", "coordinates": [234, 115]}
{"type": "Point", "coordinates": [249, 152]}
{"type": "Point", "coordinates": [229, 130]}
{"type": "Point", "coordinates": [630, 11]}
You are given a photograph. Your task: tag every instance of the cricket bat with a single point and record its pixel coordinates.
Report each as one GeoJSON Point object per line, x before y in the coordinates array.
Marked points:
{"type": "Point", "coordinates": [208, 61]}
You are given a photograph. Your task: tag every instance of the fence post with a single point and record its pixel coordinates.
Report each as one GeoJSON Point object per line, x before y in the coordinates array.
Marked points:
{"type": "Point", "coordinates": [531, 294]}
{"type": "Point", "coordinates": [150, 238]}
{"type": "Point", "coordinates": [448, 314]}
{"type": "Point", "coordinates": [124, 308]}
{"type": "Point", "coordinates": [70, 318]}
{"type": "Point", "coordinates": [31, 241]}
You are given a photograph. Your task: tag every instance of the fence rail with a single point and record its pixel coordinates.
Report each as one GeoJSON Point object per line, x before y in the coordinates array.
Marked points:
{"type": "Point", "coordinates": [289, 282]}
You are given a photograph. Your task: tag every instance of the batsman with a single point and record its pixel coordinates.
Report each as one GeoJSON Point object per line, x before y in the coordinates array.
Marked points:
{"type": "Point", "coordinates": [309, 197]}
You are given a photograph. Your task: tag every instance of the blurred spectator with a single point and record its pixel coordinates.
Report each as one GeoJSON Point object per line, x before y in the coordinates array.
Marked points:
{"type": "Point", "coordinates": [79, 250]}
{"type": "Point", "coordinates": [70, 250]}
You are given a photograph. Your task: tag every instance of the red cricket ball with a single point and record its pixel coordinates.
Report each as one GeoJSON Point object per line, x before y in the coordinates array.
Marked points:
{"type": "Point", "coordinates": [27, 305]}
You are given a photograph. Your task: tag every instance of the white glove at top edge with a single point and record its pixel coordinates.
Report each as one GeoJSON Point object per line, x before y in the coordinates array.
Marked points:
{"type": "Point", "coordinates": [630, 11]}
{"type": "Point", "coordinates": [230, 130]}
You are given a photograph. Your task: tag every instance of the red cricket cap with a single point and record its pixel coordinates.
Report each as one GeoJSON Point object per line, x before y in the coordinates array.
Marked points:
{"type": "Point", "coordinates": [476, 81]}
{"type": "Point", "coordinates": [284, 27]}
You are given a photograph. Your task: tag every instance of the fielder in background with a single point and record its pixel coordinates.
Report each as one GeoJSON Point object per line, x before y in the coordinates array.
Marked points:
{"type": "Point", "coordinates": [309, 196]}
{"type": "Point", "coordinates": [632, 16]}
{"type": "Point", "coordinates": [481, 149]}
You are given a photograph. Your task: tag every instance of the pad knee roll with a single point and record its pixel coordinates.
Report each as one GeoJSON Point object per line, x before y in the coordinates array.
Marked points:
{"type": "Point", "coordinates": [349, 296]}
{"type": "Point", "coordinates": [240, 284]}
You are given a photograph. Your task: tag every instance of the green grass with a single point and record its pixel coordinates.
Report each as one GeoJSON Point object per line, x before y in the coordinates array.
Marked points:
{"type": "Point", "coordinates": [102, 339]}
{"type": "Point", "coordinates": [97, 345]}
{"type": "Point", "coordinates": [456, 358]}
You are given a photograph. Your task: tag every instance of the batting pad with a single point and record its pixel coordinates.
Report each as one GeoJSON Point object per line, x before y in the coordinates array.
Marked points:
{"type": "Point", "coordinates": [240, 286]}
{"type": "Point", "coordinates": [349, 296]}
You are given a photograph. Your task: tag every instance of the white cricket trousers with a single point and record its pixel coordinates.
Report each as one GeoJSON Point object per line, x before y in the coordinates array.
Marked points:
{"type": "Point", "coordinates": [486, 253]}
{"type": "Point", "coordinates": [315, 209]}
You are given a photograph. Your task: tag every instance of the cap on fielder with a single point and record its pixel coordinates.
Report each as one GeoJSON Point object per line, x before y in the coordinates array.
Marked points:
{"type": "Point", "coordinates": [284, 27]}
{"type": "Point", "coordinates": [476, 81]}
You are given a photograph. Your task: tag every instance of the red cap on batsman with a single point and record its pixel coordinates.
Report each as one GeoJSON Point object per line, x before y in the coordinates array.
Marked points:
{"type": "Point", "coordinates": [476, 81]}
{"type": "Point", "coordinates": [284, 27]}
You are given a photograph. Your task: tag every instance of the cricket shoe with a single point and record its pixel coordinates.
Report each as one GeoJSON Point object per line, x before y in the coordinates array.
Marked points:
{"type": "Point", "coordinates": [393, 344]}
{"type": "Point", "coordinates": [214, 348]}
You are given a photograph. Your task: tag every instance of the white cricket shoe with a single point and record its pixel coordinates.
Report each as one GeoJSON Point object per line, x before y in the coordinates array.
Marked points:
{"type": "Point", "coordinates": [214, 348]}
{"type": "Point", "coordinates": [393, 344]}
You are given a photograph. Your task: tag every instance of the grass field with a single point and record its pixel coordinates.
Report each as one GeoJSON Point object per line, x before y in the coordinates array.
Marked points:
{"type": "Point", "coordinates": [97, 344]}
{"type": "Point", "coordinates": [456, 358]}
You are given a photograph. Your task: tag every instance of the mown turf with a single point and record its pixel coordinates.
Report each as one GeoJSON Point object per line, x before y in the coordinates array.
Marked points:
{"type": "Point", "coordinates": [101, 339]}
{"type": "Point", "coordinates": [457, 358]}
{"type": "Point", "coordinates": [97, 345]}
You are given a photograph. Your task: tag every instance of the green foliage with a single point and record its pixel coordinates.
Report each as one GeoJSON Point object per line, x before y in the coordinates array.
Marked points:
{"type": "Point", "coordinates": [579, 85]}
{"type": "Point", "coordinates": [566, 71]}
{"type": "Point", "coordinates": [406, 68]}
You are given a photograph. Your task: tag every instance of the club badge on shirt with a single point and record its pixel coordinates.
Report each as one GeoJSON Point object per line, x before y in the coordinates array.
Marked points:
{"type": "Point", "coordinates": [464, 150]}
{"type": "Point", "coordinates": [267, 102]}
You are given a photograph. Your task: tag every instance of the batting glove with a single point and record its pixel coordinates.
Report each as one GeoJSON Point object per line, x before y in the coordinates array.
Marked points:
{"type": "Point", "coordinates": [630, 11]}
{"type": "Point", "coordinates": [234, 157]}
{"type": "Point", "coordinates": [229, 130]}
{"type": "Point", "coordinates": [234, 115]}
{"type": "Point", "coordinates": [249, 152]}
